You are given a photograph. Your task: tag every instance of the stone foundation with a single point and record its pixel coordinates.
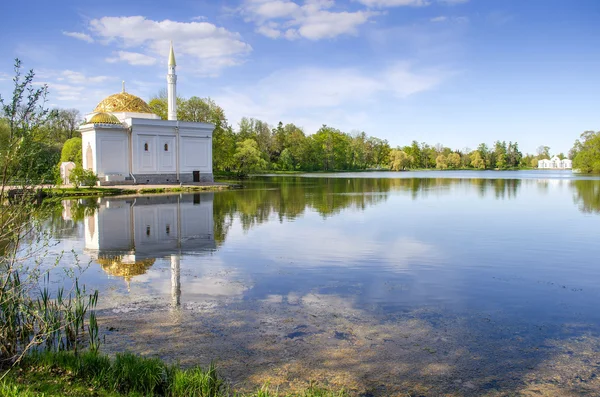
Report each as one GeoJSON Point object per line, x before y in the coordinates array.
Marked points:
{"type": "Point", "coordinates": [158, 179]}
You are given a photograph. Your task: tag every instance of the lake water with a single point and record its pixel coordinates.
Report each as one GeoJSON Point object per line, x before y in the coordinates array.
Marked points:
{"type": "Point", "coordinates": [415, 283]}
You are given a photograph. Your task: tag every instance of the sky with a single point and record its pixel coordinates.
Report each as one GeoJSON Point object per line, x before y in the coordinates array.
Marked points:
{"type": "Point", "coordinates": [456, 72]}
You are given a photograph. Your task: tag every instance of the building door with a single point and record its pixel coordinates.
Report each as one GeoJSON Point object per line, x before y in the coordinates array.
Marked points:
{"type": "Point", "coordinates": [196, 176]}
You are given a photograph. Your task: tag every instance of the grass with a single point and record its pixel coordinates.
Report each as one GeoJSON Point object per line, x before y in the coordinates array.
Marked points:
{"type": "Point", "coordinates": [95, 374]}
{"type": "Point", "coordinates": [83, 192]}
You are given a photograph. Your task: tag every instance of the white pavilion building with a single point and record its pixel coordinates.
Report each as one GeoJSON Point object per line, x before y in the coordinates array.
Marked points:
{"type": "Point", "coordinates": [125, 142]}
{"type": "Point", "coordinates": [555, 163]}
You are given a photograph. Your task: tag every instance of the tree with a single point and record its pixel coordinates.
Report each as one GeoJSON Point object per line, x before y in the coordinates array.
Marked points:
{"type": "Point", "coordinates": [64, 124]}
{"type": "Point", "coordinates": [286, 161]}
{"type": "Point", "coordinates": [81, 177]}
{"type": "Point", "coordinates": [71, 151]}
{"type": "Point", "coordinates": [248, 157]}
{"type": "Point", "coordinates": [24, 323]}
{"type": "Point", "coordinates": [454, 160]}
{"type": "Point", "coordinates": [399, 160]}
{"type": "Point", "coordinates": [587, 149]}
{"type": "Point", "coordinates": [543, 152]}
{"type": "Point", "coordinates": [441, 162]}
{"type": "Point", "coordinates": [477, 161]}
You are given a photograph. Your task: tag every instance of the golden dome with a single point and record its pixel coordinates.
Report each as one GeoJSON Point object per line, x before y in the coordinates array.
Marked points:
{"type": "Point", "coordinates": [123, 102]}
{"type": "Point", "coordinates": [104, 118]}
{"type": "Point", "coordinates": [115, 267]}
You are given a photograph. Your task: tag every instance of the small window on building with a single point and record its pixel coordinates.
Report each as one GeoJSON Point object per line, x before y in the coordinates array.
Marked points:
{"type": "Point", "coordinates": [168, 229]}
{"type": "Point", "coordinates": [146, 147]}
{"type": "Point", "coordinates": [148, 230]}
{"type": "Point", "coordinates": [166, 147]}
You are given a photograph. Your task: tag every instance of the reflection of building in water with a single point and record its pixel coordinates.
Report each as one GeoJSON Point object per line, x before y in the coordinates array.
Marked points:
{"type": "Point", "coordinates": [555, 163]}
{"type": "Point", "coordinates": [126, 235]}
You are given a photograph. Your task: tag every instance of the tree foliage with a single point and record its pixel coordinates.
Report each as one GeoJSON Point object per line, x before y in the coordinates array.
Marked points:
{"type": "Point", "coordinates": [71, 151]}
{"type": "Point", "coordinates": [586, 152]}
{"type": "Point", "coordinates": [248, 157]}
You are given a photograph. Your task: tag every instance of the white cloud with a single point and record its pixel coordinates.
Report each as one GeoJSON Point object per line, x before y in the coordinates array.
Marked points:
{"type": "Point", "coordinates": [132, 58]}
{"type": "Point", "coordinates": [80, 36]}
{"type": "Point", "coordinates": [80, 78]}
{"type": "Point", "coordinates": [269, 31]}
{"type": "Point", "coordinates": [73, 87]}
{"type": "Point", "coordinates": [453, 2]}
{"type": "Point", "coordinates": [330, 95]}
{"type": "Point", "coordinates": [210, 47]}
{"type": "Point", "coordinates": [312, 20]}
{"type": "Point", "coordinates": [394, 3]}
{"type": "Point", "coordinates": [452, 19]}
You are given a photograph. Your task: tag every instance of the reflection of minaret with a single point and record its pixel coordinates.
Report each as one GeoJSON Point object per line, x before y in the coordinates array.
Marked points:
{"type": "Point", "coordinates": [175, 280]}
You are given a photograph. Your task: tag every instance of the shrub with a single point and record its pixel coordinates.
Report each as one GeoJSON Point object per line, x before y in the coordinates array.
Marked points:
{"type": "Point", "coordinates": [81, 177]}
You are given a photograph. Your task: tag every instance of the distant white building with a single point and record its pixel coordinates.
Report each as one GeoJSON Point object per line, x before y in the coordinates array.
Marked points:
{"type": "Point", "coordinates": [555, 163]}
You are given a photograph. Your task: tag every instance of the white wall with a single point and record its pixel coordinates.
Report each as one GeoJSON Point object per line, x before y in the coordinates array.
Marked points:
{"type": "Point", "coordinates": [112, 151]}
{"type": "Point", "coordinates": [196, 154]}
{"type": "Point", "coordinates": [195, 146]}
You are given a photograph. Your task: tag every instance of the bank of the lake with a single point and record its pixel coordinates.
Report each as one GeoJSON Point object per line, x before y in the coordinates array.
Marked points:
{"type": "Point", "coordinates": [66, 192]}
{"type": "Point", "coordinates": [95, 374]}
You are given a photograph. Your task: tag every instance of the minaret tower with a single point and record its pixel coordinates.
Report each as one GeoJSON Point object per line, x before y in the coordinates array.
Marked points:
{"type": "Point", "coordinates": [172, 86]}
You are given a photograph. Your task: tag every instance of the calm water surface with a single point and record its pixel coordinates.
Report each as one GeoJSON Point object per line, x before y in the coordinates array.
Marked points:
{"type": "Point", "coordinates": [429, 283]}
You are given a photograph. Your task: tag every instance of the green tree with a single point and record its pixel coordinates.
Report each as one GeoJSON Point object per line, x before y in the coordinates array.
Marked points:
{"type": "Point", "coordinates": [587, 149]}
{"type": "Point", "coordinates": [477, 161]}
{"type": "Point", "coordinates": [441, 162]}
{"type": "Point", "coordinates": [286, 161]}
{"type": "Point", "coordinates": [71, 151]}
{"type": "Point", "coordinates": [454, 160]}
{"type": "Point", "coordinates": [248, 157]}
{"type": "Point", "coordinates": [80, 177]}
{"type": "Point", "coordinates": [399, 160]}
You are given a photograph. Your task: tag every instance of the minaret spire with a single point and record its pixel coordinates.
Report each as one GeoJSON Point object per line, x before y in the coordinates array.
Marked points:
{"type": "Point", "coordinates": [172, 86]}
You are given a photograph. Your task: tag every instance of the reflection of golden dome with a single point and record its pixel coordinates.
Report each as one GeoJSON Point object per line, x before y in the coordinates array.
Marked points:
{"type": "Point", "coordinates": [123, 102]}
{"type": "Point", "coordinates": [104, 118]}
{"type": "Point", "coordinates": [115, 267]}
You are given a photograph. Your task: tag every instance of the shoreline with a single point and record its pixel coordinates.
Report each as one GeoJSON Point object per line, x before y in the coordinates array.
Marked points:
{"type": "Point", "coordinates": [131, 190]}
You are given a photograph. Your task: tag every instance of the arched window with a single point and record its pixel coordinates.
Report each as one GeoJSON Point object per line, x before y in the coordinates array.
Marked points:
{"type": "Point", "coordinates": [166, 147]}
{"type": "Point", "coordinates": [148, 230]}
{"type": "Point", "coordinates": [146, 147]}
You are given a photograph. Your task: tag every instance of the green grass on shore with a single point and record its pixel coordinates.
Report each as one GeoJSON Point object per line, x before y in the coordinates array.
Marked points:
{"type": "Point", "coordinates": [59, 192]}
{"type": "Point", "coordinates": [94, 374]}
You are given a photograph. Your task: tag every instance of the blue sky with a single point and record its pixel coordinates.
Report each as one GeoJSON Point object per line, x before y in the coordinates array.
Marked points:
{"type": "Point", "coordinates": [457, 72]}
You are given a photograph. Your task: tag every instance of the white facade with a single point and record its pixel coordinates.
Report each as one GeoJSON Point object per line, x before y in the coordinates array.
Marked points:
{"type": "Point", "coordinates": [555, 163]}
